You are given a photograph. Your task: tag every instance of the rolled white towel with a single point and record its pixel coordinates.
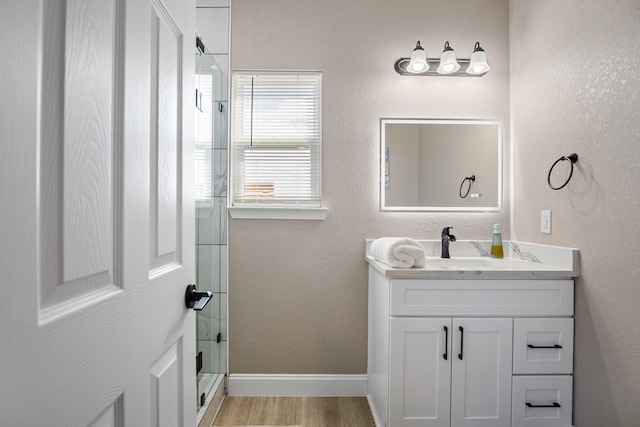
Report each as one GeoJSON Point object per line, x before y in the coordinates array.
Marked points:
{"type": "Point", "coordinates": [398, 252]}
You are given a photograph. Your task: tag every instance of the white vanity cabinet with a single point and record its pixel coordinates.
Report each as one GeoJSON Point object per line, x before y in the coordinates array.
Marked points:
{"type": "Point", "coordinates": [450, 371]}
{"type": "Point", "coordinates": [494, 351]}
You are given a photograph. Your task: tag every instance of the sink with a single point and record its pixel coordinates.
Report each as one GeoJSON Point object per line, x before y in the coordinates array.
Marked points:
{"type": "Point", "coordinates": [465, 262]}
{"type": "Point", "coordinates": [476, 263]}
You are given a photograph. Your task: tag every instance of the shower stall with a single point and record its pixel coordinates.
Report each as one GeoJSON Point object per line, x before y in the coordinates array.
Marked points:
{"type": "Point", "coordinates": [211, 237]}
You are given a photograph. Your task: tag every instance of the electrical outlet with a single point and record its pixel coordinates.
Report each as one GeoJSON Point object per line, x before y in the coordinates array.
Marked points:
{"type": "Point", "coordinates": [545, 221]}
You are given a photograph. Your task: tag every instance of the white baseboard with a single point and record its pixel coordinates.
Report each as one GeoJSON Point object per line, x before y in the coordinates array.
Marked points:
{"type": "Point", "coordinates": [297, 385]}
{"type": "Point", "coordinates": [376, 418]}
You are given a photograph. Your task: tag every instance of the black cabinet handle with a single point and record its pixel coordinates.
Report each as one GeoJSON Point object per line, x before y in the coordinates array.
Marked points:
{"type": "Point", "coordinates": [544, 346]}
{"type": "Point", "coordinates": [461, 341]}
{"type": "Point", "coordinates": [196, 299]}
{"type": "Point", "coordinates": [553, 405]}
{"type": "Point", "coordinates": [446, 343]}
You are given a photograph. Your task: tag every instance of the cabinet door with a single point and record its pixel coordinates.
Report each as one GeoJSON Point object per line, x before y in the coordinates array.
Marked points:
{"type": "Point", "coordinates": [420, 372]}
{"type": "Point", "coordinates": [481, 372]}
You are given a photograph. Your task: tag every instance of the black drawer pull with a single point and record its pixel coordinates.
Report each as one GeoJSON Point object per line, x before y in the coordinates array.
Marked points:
{"type": "Point", "coordinates": [554, 405]}
{"type": "Point", "coordinates": [461, 341]}
{"type": "Point", "coordinates": [544, 346]}
{"type": "Point", "coordinates": [446, 343]}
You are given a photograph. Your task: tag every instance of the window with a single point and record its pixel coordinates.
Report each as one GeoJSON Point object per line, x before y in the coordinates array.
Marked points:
{"type": "Point", "coordinates": [276, 139]}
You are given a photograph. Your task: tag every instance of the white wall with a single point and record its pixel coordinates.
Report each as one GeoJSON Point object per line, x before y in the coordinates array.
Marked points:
{"type": "Point", "coordinates": [298, 289]}
{"type": "Point", "coordinates": [576, 88]}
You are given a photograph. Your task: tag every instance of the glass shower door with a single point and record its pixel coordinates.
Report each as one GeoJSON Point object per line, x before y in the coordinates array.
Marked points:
{"type": "Point", "coordinates": [211, 239]}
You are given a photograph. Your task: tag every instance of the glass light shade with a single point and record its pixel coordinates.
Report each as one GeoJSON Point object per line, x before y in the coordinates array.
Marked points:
{"type": "Point", "coordinates": [478, 63]}
{"type": "Point", "coordinates": [418, 63]}
{"type": "Point", "coordinates": [448, 61]}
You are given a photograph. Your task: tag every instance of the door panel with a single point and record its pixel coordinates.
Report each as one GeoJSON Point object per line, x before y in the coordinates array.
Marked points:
{"type": "Point", "coordinates": [419, 376]}
{"type": "Point", "coordinates": [166, 389]}
{"type": "Point", "coordinates": [100, 336]}
{"type": "Point", "coordinates": [88, 139]}
{"type": "Point", "coordinates": [78, 168]}
{"type": "Point", "coordinates": [481, 379]}
{"type": "Point", "coordinates": [165, 133]}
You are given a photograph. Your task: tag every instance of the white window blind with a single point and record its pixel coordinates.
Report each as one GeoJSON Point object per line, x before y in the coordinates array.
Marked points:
{"type": "Point", "coordinates": [276, 138]}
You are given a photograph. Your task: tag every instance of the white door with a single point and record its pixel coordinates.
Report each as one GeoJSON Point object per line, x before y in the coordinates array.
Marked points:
{"type": "Point", "coordinates": [481, 373]}
{"type": "Point", "coordinates": [96, 209]}
{"type": "Point", "coordinates": [419, 372]}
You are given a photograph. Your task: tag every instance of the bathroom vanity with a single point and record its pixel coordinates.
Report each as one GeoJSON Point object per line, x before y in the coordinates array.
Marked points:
{"type": "Point", "coordinates": [473, 341]}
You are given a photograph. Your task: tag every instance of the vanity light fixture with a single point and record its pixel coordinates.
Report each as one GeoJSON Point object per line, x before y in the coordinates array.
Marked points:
{"type": "Point", "coordinates": [418, 62]}
{"type": "Point", "coordinates": [478, 63]}
{"type": "Point", "coordinates": [446, 65]}
{"type": "Point", "coordinates": [448, 62]}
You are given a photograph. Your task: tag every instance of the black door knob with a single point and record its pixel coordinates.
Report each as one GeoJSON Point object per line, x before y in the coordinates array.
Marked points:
{"type": "Point", "coordinates": [193, 298]}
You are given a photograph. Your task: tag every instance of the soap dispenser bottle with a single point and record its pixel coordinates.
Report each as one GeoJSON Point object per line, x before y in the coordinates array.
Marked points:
{"type": "Point", "coordinates": [496, 244]}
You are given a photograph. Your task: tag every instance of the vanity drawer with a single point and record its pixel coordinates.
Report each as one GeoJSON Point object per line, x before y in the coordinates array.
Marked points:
{"type": "Point", "coordinates": [542, 401]}
{"type": "Point", "coordinates": [481, 297]}
{"type": "Point", "coordinates": [543, 346]}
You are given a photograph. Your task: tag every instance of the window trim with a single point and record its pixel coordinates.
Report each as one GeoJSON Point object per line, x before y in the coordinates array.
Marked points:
{"type": "Point", "coordinates": [277, 212]}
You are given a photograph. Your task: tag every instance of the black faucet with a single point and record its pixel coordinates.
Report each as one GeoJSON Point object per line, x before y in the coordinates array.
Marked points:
{"type": "Point", "coordinates": [446, 238]}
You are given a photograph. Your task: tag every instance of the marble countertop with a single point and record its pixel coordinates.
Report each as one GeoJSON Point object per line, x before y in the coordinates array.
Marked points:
{"type": "Point", "coordinates": [469, 260]}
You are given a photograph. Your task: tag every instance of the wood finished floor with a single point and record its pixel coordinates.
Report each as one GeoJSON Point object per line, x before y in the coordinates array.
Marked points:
{"type": "Point", "coordinates": [294, 411]}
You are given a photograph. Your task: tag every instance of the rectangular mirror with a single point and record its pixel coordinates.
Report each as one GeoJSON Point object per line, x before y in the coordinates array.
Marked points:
{"type": "Point", "coordinates": [440, 165]}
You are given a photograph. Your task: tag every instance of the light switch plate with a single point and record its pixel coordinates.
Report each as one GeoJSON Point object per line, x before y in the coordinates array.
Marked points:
{"type": "Point", "coordinates": [545, 221]}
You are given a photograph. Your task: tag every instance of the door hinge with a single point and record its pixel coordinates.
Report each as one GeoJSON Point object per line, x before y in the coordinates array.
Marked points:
{"type": "Point", "coordinates": [199, 45]}
{"type": "Point", "coordinates": [198, 362]}
{"type": "Point", "coordinates": [199, 100]}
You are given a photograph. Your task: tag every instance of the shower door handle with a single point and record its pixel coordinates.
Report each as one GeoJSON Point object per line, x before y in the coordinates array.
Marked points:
{"type": "Point", "coordinates": [193, 298]}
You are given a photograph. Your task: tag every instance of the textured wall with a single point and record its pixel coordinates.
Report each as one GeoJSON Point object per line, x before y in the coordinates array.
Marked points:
{"type": "Point", "coordinates": [576, 88]}
{"type": "Point", "coordinates": [298, 289]}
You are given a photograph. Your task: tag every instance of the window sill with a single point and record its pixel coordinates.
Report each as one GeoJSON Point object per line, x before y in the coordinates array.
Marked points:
{"type": "Point", "coordinates": [261, 212]}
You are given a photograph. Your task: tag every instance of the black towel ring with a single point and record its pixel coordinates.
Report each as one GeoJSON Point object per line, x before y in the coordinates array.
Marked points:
{"type": "Point", "coordinates": [471, 179]}
{"type": "Point", "coordinates": [572, 158]}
